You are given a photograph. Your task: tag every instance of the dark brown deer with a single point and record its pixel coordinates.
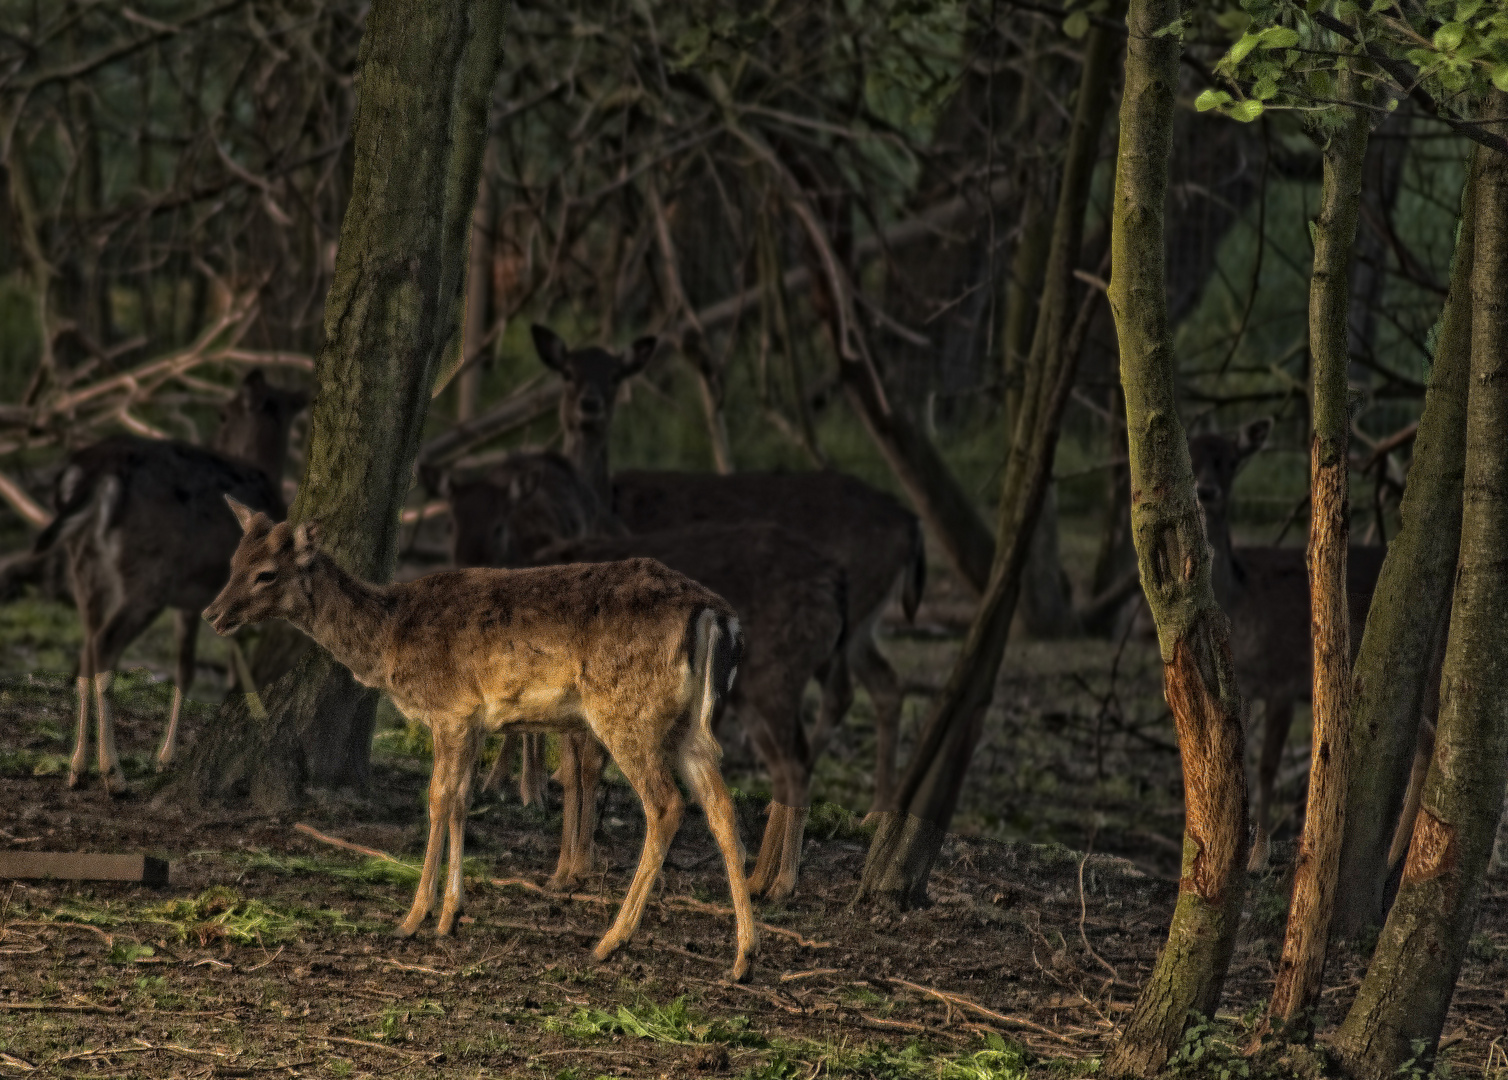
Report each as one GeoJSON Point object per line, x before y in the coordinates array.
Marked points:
{"type": "Point", "coordinates": [1265, 592]}
{"type": "Point", "coordinates": [876, 541]}
{"type": "Point", "coordinates": [633, 654]}
{"type": "Point", "coordinates": [144, 527]}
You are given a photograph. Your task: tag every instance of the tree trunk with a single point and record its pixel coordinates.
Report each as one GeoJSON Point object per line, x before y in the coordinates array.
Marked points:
{"type": "Point", "coordinates": [901, 854]}
{"type": "Point", "coordinates": [1047, 612]}
{"type": "Point", "coordinates": [1395, 664]}
{"type": "Point", "coordinates": [479, 299]}
{"type": "Point", "coordinates": [425, 75]}
{"type": "Point", "coordinates": [1174, 557]}
{"type": "Point", "coordinates": [1407, 990]}
{"type": "Point", "coordinates": [1302, 967]}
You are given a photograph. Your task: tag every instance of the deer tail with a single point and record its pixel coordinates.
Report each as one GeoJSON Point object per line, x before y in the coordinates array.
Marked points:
{"type": "Point", "coordinates": [716, 649]}
{"type": "Point", "coordinates": [916, 573]}
{"type": "Point", "coordinates": [76, 489]}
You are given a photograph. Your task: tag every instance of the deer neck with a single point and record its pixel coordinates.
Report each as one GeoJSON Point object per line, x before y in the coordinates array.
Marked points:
{"type": "Point", "coordinates": [1223, 578]}
{"type": "Point", "coordinates": [588, 452]}
{"type": "Point", "coordinates": [348, 617]}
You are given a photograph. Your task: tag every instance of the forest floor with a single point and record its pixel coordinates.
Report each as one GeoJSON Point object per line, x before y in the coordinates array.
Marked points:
{"type": "Point", "coordinates": [270, 951]}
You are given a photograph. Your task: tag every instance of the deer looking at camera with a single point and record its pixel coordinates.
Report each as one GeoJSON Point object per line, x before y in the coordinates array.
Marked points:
{"type": "Point", "coordinates": [876, 541]}
{"type": "Point", "coordinates": [1265, 592]}
{"type": "Point", "coordinates": [789, 596]}
{"type": "Point", "coordinates": [635, 655]}
{"type": "Point", "coordinates": [144, 527]}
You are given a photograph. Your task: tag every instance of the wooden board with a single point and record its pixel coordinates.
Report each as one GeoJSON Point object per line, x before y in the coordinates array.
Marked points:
{"type": "Point", "coordinates": [77, 866]}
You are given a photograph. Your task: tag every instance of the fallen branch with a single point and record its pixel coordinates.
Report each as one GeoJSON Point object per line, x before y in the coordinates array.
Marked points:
{"type": "Point", "coordinates": [310, 830]}
{"type": "Point", "coordinates": [48, 1006]}
{"type": "Point", "coordinates": [959, 1001]}
{"type": "Point", "coordinates": [410, 1054]}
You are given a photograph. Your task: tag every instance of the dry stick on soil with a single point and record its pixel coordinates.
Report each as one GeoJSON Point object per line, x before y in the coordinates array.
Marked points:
{"type": "Point", "coordinates": [1408, 987]}
{"type": "Point", "coordinates": [1174, 557]}
{"type": "Point", "coordinates": [1302, 967]}
{"type": "Point", "coordinates": [962, 1002]}
{"type": "Point", "coordinates": [412, 1055]}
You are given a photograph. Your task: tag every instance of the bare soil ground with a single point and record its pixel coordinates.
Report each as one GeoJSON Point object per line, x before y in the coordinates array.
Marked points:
{"type": "Point", "coordinates": [270, 952]}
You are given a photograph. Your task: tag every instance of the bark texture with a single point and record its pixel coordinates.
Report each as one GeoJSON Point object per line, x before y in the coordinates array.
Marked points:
{"type": "Point", "coordinates": [1302, 966]}
{"type": "Point", "coordinates": [1391, 680]}
{"type": "Point", "coordinates": [1408, 986]}
{"type": "Point", "coordinates": [1174, 558]}
{"type": "Point", "coordinates": [425, 74]}
{"type": "Point", "coordinates": [908, 838]}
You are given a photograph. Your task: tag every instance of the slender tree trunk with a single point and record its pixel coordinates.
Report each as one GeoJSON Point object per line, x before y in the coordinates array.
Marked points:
{"type": "Point", "coordinates": [479, 300]}
{"type": "Point", "coordinates": [901, 854]}
{"type": "Point", "coordinates": [1407, 990]}
{"type": "Point", "coordinates": [1174, 557]}
{"type": "Point", "coordinates": [425, 74]}
{"type": "Point", "coordinates": [1302, 967]}
{"type": "Point", "coordinates": [1391, 679]}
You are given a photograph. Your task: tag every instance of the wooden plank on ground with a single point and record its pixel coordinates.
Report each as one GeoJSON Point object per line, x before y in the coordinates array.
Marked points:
{"type": "Point", "coordinates": [79, 866]}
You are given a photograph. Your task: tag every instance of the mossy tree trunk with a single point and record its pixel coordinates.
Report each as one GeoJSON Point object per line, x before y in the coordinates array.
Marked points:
{"type": "Point", "coordinates": [901, 854]}
{"type": "Point", "coordinates": [424, 76]}
{"type": "Point", "coordinates": [1174, 557]}
{"type": "Point", "coordinates": [1408, 986]}
{"type": "Point", "coordinates": [1391, 678]}
{"type": "Point", "coordinates": [1302, 966]}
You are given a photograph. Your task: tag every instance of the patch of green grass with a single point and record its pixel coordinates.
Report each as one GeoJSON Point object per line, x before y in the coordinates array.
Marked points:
{"type": "Point", "coordinates": [219, 913]}
{"type": "Point", "coordinates": [410, 741]}
{"type": "Point", "coordinates": [370, 870]}
{"type": "Point", "coordinates": [396, 1018]}
{"type": "Point", "coordinates": [673, 1023]}
{"type": "Point", "coordinates": [829, 821]}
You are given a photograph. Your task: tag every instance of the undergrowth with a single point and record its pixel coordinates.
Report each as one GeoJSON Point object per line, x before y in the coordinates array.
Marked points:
{"type": "Point", "coordinates": [217, 914]}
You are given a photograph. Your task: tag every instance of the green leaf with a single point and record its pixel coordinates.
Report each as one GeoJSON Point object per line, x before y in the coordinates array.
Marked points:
{"type": "Point", "coordinates": [1246, 111]}
{"type": "Point", "coordinates": [1211, 99]}
{"type": "Point", "coordinates": [1265, 89]}
{"type": "Point", "coordinates": [1241, 48]}
{"type": "Point", "coordinates": [1500, 76]}
{"type": "Point", "coordinates": [1279, 37]}
{"type": "Point", "coordinates": [1077, 24]}
{"type": "Point", "coordinates": [1448, 38]}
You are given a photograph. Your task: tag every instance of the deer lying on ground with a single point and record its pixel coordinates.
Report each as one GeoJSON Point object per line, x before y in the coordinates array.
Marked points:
{"type": "Point", "coordinates": [636, 655]}
{"type": "Point", "coordinates": [144, 527]}
{"type": "Point", "coordinates": [789, 596]}
{"type": "Point", "coordinates": [876, 541]}
{"type": "Point", "coordinates": [1265, 592]}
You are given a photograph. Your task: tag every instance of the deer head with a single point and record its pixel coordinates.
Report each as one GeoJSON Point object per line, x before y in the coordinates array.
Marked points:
{"type": "Point", "coordinates": [527, 503]}
{"type": "Point", "coordinates": [268, 573]}
{"type": "Point", "coordinates": [592, 378]}
{"type": "Point", "coordinates": [1216, 460]}
{"type": "Point", "coordinates": [254, 424]}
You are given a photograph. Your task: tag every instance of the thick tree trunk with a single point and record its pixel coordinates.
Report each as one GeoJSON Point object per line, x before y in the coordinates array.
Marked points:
{"type": "Point", "coordinates": [1174, 557]}
{"type": "Point", "coordinates": [1391, 679]}
{"type": "Point", "coordinates": [425, 75]}
{"type": "Point", "coordinates": [1302, 966]}
{"type": "Point", "coordinates": [1407, 990]}
{"type": "Point", "coordinates": [902, 852]}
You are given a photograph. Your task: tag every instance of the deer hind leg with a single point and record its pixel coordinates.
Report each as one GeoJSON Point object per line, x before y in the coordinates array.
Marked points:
{"type": "Point", "coordinates": [879, 678]}
{"type": "Point", "coordinates": [837, 699]}
{"type": "Point", "coordinates": [1275, 725]}
{"type": "Point", "coordinates": [441, 786]}
{"type": "Point", "coordinates": [186, 632]}
{"type": "Point", "coordinates": [531, 772]}
{"type": "Point", "coordinates": [663, 807]}
{"type": "Point", "coordinates": [90, 617]}
{"type": "Point", "coordinates": [698, 766]}
{"type": "Point", "coordinates": [784, 752]}
{"type": "Point", "coordinates": [460, 798]}
{"type": "Point", "coordinates": [581, 763]}
{"type": "Point", "coordinates": [502, 766]}
{"type": "Point", "coordinates": [123, 627]}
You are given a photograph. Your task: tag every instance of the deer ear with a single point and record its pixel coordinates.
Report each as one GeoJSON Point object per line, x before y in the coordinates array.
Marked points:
{"type": "Point", "coordinates": [552, 351]}
{"type": "Point", "coordinates": [244, 514]}
{"type": "Point", "coordinates": [1253, 437]}
{"type": "Point", "coordinates": [639, 354]}
{"type": "Point", "coordinates": [305, 542]}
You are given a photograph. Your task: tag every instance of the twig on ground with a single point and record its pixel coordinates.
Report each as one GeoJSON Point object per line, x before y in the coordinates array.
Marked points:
{"type": "Point", "coordinates": [968, 1003]}
{"type": "Point", "coordinates": [412, 1055]}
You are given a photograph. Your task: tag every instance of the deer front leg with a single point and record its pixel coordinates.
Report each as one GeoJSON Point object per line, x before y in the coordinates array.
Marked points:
{"type": "Point", "coordinates": [531, 770]}
{"type": "Point", "coordinates": [186, 631]}
{"type": "Point", "coordinates": [581, 765]}
{"type": "Point", "coordinates": [429, 877]}
{"type": "Point", "coordinates": [109, 761]}
{"type": "Point", "coordinates": [78, 765]}
{"type": "Point", "coordinates": [459, 798]}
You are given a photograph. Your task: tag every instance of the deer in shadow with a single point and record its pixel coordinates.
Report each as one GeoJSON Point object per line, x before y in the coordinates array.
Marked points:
{"type": "Point", "coordinates": [144, 526]}
{"type": "Point", "coordinates": [1264, 590]}
{"type": "Point", "coordinates": [790, 598]}
{"type": "Point", "coordinates": [877, 542]}
{"type": "Point", "coordinates": [634, 655]}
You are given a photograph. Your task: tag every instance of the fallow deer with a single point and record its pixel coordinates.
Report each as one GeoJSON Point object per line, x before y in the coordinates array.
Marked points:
{"type": "Point", "coordinates": [876, 541]}
{"type": "Point", "coordinates": [144, 527]}
{"type": "Point", "coordinates": [1265, 592]}
{"type": "Point", "coordinates": [633, 654]}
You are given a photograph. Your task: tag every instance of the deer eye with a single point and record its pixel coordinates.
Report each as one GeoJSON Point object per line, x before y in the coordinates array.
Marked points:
{"type": "Point", "coordinates": [266, 576]}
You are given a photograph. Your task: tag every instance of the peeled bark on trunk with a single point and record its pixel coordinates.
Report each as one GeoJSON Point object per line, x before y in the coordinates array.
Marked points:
{"type": "Point", "coordinates": [425, 74]}
{"type": "Point", "coordinates": [1391, 678]}
{"type": "Point", "coordinates": [1407, 990]}
{"type": "Point", "coordinates": [1302, 966]}
{"type": "Point", "coordinates": [1175, 561]}
{"type": "Point", "coordinates": [907, 841]}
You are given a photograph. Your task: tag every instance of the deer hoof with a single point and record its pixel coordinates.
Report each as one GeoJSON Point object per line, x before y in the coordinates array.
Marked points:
{"type": "Point", "coordinates": [604, 949]}
{"type": "Point", "coordinates": [742, 968]}
{"type": "Point", "coordinates": [115, 785]}
{"type": "Point", "coordinates": [408, 927]}
{"type": "Point", "coordinates": [75, 779]}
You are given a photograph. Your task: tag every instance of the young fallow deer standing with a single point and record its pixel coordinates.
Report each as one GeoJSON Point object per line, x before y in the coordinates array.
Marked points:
{"type": "Point", "coordinates": [635, 655]}
{"type": "Point", "coordinates": [144, 527]}
{"type": "Point", "coordinates": [876, 541]}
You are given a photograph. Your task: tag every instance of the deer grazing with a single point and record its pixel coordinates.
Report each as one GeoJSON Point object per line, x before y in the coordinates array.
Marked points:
{"type": "Point", "coordinates": [638, 656]}
{"type": "Point", "coordinates": [1265, 592]}
{"type": "Point", "coordinates": [876, 541]}
{"type": "Point", "coordinates": [144, 527]}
